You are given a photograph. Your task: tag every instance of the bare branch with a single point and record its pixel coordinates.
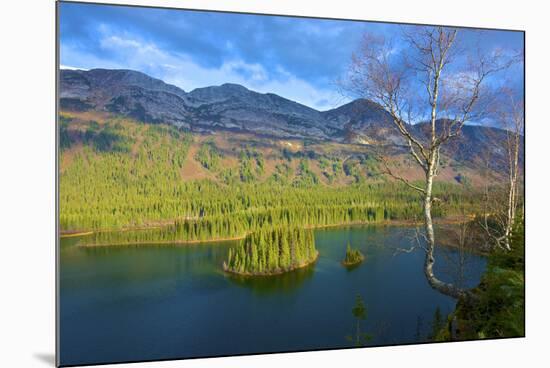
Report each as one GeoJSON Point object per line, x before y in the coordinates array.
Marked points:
{"type": "Point", "coordinates": [389, 172]}
{"type": "Point", "coordinates": [417, 243]}
{"type": "Point", "coordinates": [450, 98]}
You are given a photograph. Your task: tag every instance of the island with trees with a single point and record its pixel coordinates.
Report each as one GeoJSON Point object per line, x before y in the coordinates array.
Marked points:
{"type": "Point", "coordinates": [272, 251]}
{"type": "Point", "coordinates": [353, 257]}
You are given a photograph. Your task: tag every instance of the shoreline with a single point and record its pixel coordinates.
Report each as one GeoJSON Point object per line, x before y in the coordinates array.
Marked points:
{"type": "Point", "coordinates": [352, 264]}
{"type": "Point", "coordinates": [73, 234]}
{"type": "Point", "coordinates": [280, 272]}
{"type": "Point", "coordinates": [452, 220]}
{"type": "Point", "coordinates": [163, 242]}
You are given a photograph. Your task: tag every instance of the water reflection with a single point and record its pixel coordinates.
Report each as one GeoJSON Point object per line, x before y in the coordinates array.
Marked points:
{"type": "Point", "coordinates": [285, 283]}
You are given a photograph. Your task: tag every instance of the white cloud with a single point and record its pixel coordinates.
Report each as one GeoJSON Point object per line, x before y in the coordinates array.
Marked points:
{"type": "Point", "coordinates": [67, 67]}
{"type": "Point", "coordinates": [183, 71]}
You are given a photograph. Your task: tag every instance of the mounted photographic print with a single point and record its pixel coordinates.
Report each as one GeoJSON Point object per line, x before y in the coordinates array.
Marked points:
{"type": "Point", "coordinates": [233, 183]}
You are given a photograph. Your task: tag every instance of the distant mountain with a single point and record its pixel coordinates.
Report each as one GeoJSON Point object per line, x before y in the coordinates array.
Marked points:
{"type": "Point", "coordinates": [475, 145]}
{"type": "Point", "coordinates": [125, 92]}
{"type": "Point", "coordinates": [236, 108]}
{"type": "Point", "coordinates": [233, 106]}
{"type": "Point", "coordinates": [229, 106]}
{"type": "Point", "coordinates": [364, 121]}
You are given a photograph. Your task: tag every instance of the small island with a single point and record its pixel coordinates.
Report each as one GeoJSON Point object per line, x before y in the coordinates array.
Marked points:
{"type": "Point", "coordinates": [353, 257]}
{"type": "Point", "coordinates": [272, 251]}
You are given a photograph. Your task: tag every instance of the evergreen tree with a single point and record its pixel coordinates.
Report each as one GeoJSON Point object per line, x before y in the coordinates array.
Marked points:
{"type": "Point", "coordinates": [271, 248]}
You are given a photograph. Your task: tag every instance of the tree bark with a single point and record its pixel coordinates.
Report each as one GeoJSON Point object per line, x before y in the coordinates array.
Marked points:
{"type": "Point", "coordinates": [443, 287]}
{"type": "Point", "coordinates": [513, 152]}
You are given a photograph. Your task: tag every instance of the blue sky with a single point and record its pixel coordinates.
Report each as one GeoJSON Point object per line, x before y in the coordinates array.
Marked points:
{"type": "Point", "coordinates": [297, 58]}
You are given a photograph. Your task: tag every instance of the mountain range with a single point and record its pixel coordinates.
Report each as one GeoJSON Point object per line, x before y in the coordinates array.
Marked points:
{"type": "Point", "coordinates": [233, 107]}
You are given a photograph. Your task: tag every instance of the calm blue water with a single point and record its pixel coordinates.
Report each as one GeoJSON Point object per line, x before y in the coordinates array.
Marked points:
{"type": "Point", "coordinates": [168, 302]}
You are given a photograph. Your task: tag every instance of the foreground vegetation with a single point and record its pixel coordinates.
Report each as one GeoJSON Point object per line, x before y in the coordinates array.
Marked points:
{"type": "Point", "coordinates": [117, 174]}
{"type": "Point", "coordinates": [272, 251]}
{"type": "Point", "coordinates": [497, 307]}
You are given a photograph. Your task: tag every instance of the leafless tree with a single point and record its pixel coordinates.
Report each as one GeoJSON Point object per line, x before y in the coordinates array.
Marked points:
{"type": "Point", "coordinates": [502, 206]}
{"type": "Point", "coordinates": [426, 77]}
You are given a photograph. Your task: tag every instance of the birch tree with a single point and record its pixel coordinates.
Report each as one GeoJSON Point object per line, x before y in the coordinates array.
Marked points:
{"type": "Point", "coordinates": [502, 209]}
{"type": "Point", "coordinates": [427, 77]}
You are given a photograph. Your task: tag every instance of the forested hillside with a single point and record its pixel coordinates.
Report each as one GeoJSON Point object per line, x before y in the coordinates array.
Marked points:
{"type": "Point", "coordinates": [166, 184]}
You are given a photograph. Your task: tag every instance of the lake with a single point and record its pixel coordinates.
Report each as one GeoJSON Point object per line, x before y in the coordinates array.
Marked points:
{"type": "Point", "coordinates": [135, 303]}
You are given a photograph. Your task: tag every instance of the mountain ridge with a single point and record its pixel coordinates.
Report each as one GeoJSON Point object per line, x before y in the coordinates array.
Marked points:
{"type": "Point", "coordinates": [229, 105]}
{"type": "Point", "coordinates": [234, 107]}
